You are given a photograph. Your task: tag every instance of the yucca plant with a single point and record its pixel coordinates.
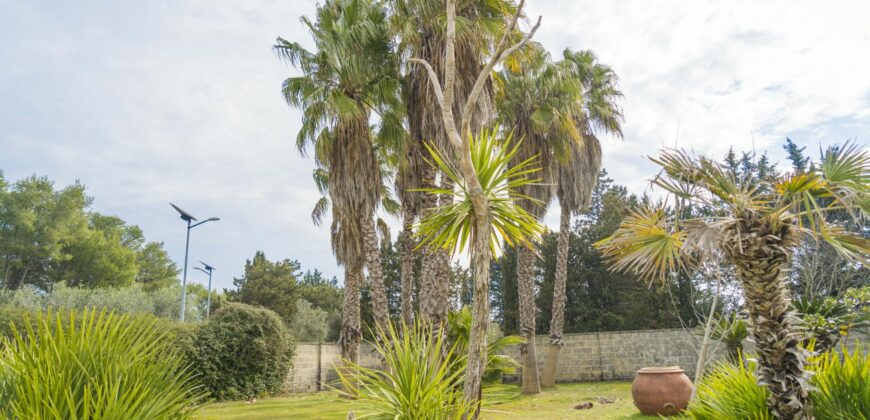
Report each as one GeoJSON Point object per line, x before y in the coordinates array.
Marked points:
{"type": "Point", "coordinates": [756, 228]}
{"type": "Point", "coordinates": [730, 390]}
{"type": "Point", "coordinates": [94, 365]}
{"type": "Point", "coordinates": [418, 383]}
{"type": "Point", "coordinates": [842, 385]}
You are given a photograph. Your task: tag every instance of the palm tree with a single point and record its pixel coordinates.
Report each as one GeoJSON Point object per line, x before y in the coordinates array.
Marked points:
{"type": "Point", "coordinates": [578, 175]}
{"type": "Point", "coordinates": [351, 73]}
{"type": "Point", "coordinates": [757, 229]}
{"type": "Point", "coordinates": [372, 231]}
{"type": "Point", "coordinates": [420, 28]}
{"type": "Point", "coordinates": [539, 105]}
{"type": "Point", "coordinates": [478, 213]}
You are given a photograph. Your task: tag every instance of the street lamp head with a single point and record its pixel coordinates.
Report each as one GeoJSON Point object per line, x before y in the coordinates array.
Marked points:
{"type": "Point", "coordinates": [187, 217]}
{"type": "Point", "coordinates": [212, 219]}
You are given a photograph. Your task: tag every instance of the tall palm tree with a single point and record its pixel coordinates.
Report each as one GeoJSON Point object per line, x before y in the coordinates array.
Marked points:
{"type": "Point", "coordinates": [757, 229]}
{"type": "Point", "coordinates": [538, 104]}
{"type": "Point", "coordinates": [420, 25]}
{"type": "Point", "coordinates": [351, 73]}
{"type": "Point", "coordinates": [578, 175]}
{"type": "Point", "coordinates": [374, 232]}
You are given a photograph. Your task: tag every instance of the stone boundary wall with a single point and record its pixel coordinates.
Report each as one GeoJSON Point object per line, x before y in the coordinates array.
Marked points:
{"type": "Point", "coordinates": [599, 356]}
{"type": "Point", "coordinates": [617, 355]}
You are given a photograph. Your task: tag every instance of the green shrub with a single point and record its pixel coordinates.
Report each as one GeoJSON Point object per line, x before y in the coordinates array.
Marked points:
{"type": "Point", "coordinates": [417, 384]}
{"type": "Point", "coordinates": [842, 385]}
{"type": "Point", "coordinates": [730, 391]}
{"type": "Point", "coordinates": [94, 365]}
{"type": "Point", "coordinates": [164, 302]}
{"type": "Point", "coordinates": [308, 323]}
{"type": "Point", "coordinates": [242, 352]}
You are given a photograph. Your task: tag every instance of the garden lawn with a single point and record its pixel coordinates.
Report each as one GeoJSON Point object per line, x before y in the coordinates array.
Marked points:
{"type": "Point", "coordinates": [500, 402]}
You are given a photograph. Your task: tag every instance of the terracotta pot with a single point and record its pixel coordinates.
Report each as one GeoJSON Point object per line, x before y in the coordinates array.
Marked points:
{"type": "Point", "coordinates": [661, 391]}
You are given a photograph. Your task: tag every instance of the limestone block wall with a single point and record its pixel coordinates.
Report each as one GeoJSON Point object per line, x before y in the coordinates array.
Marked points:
{"type": "Point", "coordinates": [314, 366]}
{"type": "Point", "coordinates": [600, 356]}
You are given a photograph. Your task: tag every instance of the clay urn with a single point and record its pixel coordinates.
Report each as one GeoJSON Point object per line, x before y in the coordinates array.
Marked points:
{"type": "Point", "coordinates": [661, 391]}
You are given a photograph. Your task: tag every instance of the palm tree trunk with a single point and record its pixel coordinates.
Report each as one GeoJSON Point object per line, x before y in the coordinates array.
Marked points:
{"type": "Point", "coordinates": [528, 355]}
{"type": "Point", "coordinates": [377, 290]}
{"type": "Point", "coordinates": [557, 322]}
{"type": "Point", "coordinates": [407, 257]}
{"type": "Point", "coordinates": [349, 339]}
{"type": "Point", "coordinates": [761, 261]}
{"type": "Point", "coordinates": [430, 307]}
{"type": "Point", "coordinates": [443, 273]}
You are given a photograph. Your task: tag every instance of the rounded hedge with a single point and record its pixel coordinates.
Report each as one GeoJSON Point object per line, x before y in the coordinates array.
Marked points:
{"type": "Point", "coordinates": [242, 352]}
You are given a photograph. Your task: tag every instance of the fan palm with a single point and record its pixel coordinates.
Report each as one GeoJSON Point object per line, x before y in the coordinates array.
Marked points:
{"type": "Point", "coordinates": [758, 228]}
{"type": "Point", "coordinates": [420, 26]}
{"type": "Point", "coordinates": [578, 174]}
{"type": "Point", "coordinates": [539, 105]}
{"type": "Point", "coordinates": [351, 72]}
{"type": "Point", "coordinates": [371, 232]}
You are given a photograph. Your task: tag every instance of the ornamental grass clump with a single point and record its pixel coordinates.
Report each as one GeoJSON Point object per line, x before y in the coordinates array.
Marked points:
{"type": "Point", "coordinates": [840, 388]}
{"type": "Point", "coordinates": [842, 385]}
{"type": "Point", "coordinates": [730, 390]}
{"type": "Point", "coordinates": [419, 382]}
{"type": "Point", "coordinates": [94, 365]}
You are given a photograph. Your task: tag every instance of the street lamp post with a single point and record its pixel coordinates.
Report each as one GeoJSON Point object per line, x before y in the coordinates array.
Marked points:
{"type": "Point", "coordinates": [207, 270]}
{"type": "Point", "coordinates": [187, 217]}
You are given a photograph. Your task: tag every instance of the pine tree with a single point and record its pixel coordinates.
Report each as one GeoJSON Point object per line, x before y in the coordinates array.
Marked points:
{"type": "Point", "coordinates": [796, 155]}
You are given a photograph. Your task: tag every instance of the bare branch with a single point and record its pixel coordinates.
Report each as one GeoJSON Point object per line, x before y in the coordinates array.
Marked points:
{"type": "Point", "coordinates": [500, 54]}
{"type": "Point", "coordinates": [510, 29]}
{"type": "Point", "coordinates": [433, 77]}
{"type": "Point", "coordinates": [449, 78]}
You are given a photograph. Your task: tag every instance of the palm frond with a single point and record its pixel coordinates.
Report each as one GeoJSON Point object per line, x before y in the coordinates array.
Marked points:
{"type": "Point", "coordinates": [320, 209]}
{"type": "Point", "coordinates": [645, 246]}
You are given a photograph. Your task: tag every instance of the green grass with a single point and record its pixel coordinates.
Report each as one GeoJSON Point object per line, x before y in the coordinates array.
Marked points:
{"type": "Point", "coordinates": [500, 402]}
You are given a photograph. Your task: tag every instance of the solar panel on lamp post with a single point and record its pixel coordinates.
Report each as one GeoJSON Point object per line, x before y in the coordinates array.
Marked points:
{"type": "Point", "coordinates": [207, 270]}
{"type": "Point", "coordinates": [187, 217]}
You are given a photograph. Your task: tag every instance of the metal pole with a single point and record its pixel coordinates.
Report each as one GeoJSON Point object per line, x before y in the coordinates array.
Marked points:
{"type": "Point", "coordinates": [184, 279]}
{"type": "Point", "coordinates": [208, 302]}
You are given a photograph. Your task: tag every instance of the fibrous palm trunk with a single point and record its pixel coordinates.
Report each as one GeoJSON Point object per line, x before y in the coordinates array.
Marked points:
{"type": "Point", "coordinates": [349, 338]}
{"type": "Point", "coordinates": [430, 304]}
{"type": "Point", "coordinates": [406, 242]}
{"type": "Point", "coordinates": [376, 278]}
{"type": "Point", "coordinates": [528, 355]}
{"type": "Point", "coordinates": [444, 273]}
{"type": "Point", "coordinates": [760, 256]}
{"type": "Point", "coordinates": [557, 321]}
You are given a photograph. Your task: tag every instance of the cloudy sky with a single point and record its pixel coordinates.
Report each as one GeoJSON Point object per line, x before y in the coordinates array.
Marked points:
{"type": "Point", "coordinates": [159, 101]}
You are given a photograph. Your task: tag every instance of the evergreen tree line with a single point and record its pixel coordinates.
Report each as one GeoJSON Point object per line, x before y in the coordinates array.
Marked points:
{"type": "Point", "coordinates": [52, 235]}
